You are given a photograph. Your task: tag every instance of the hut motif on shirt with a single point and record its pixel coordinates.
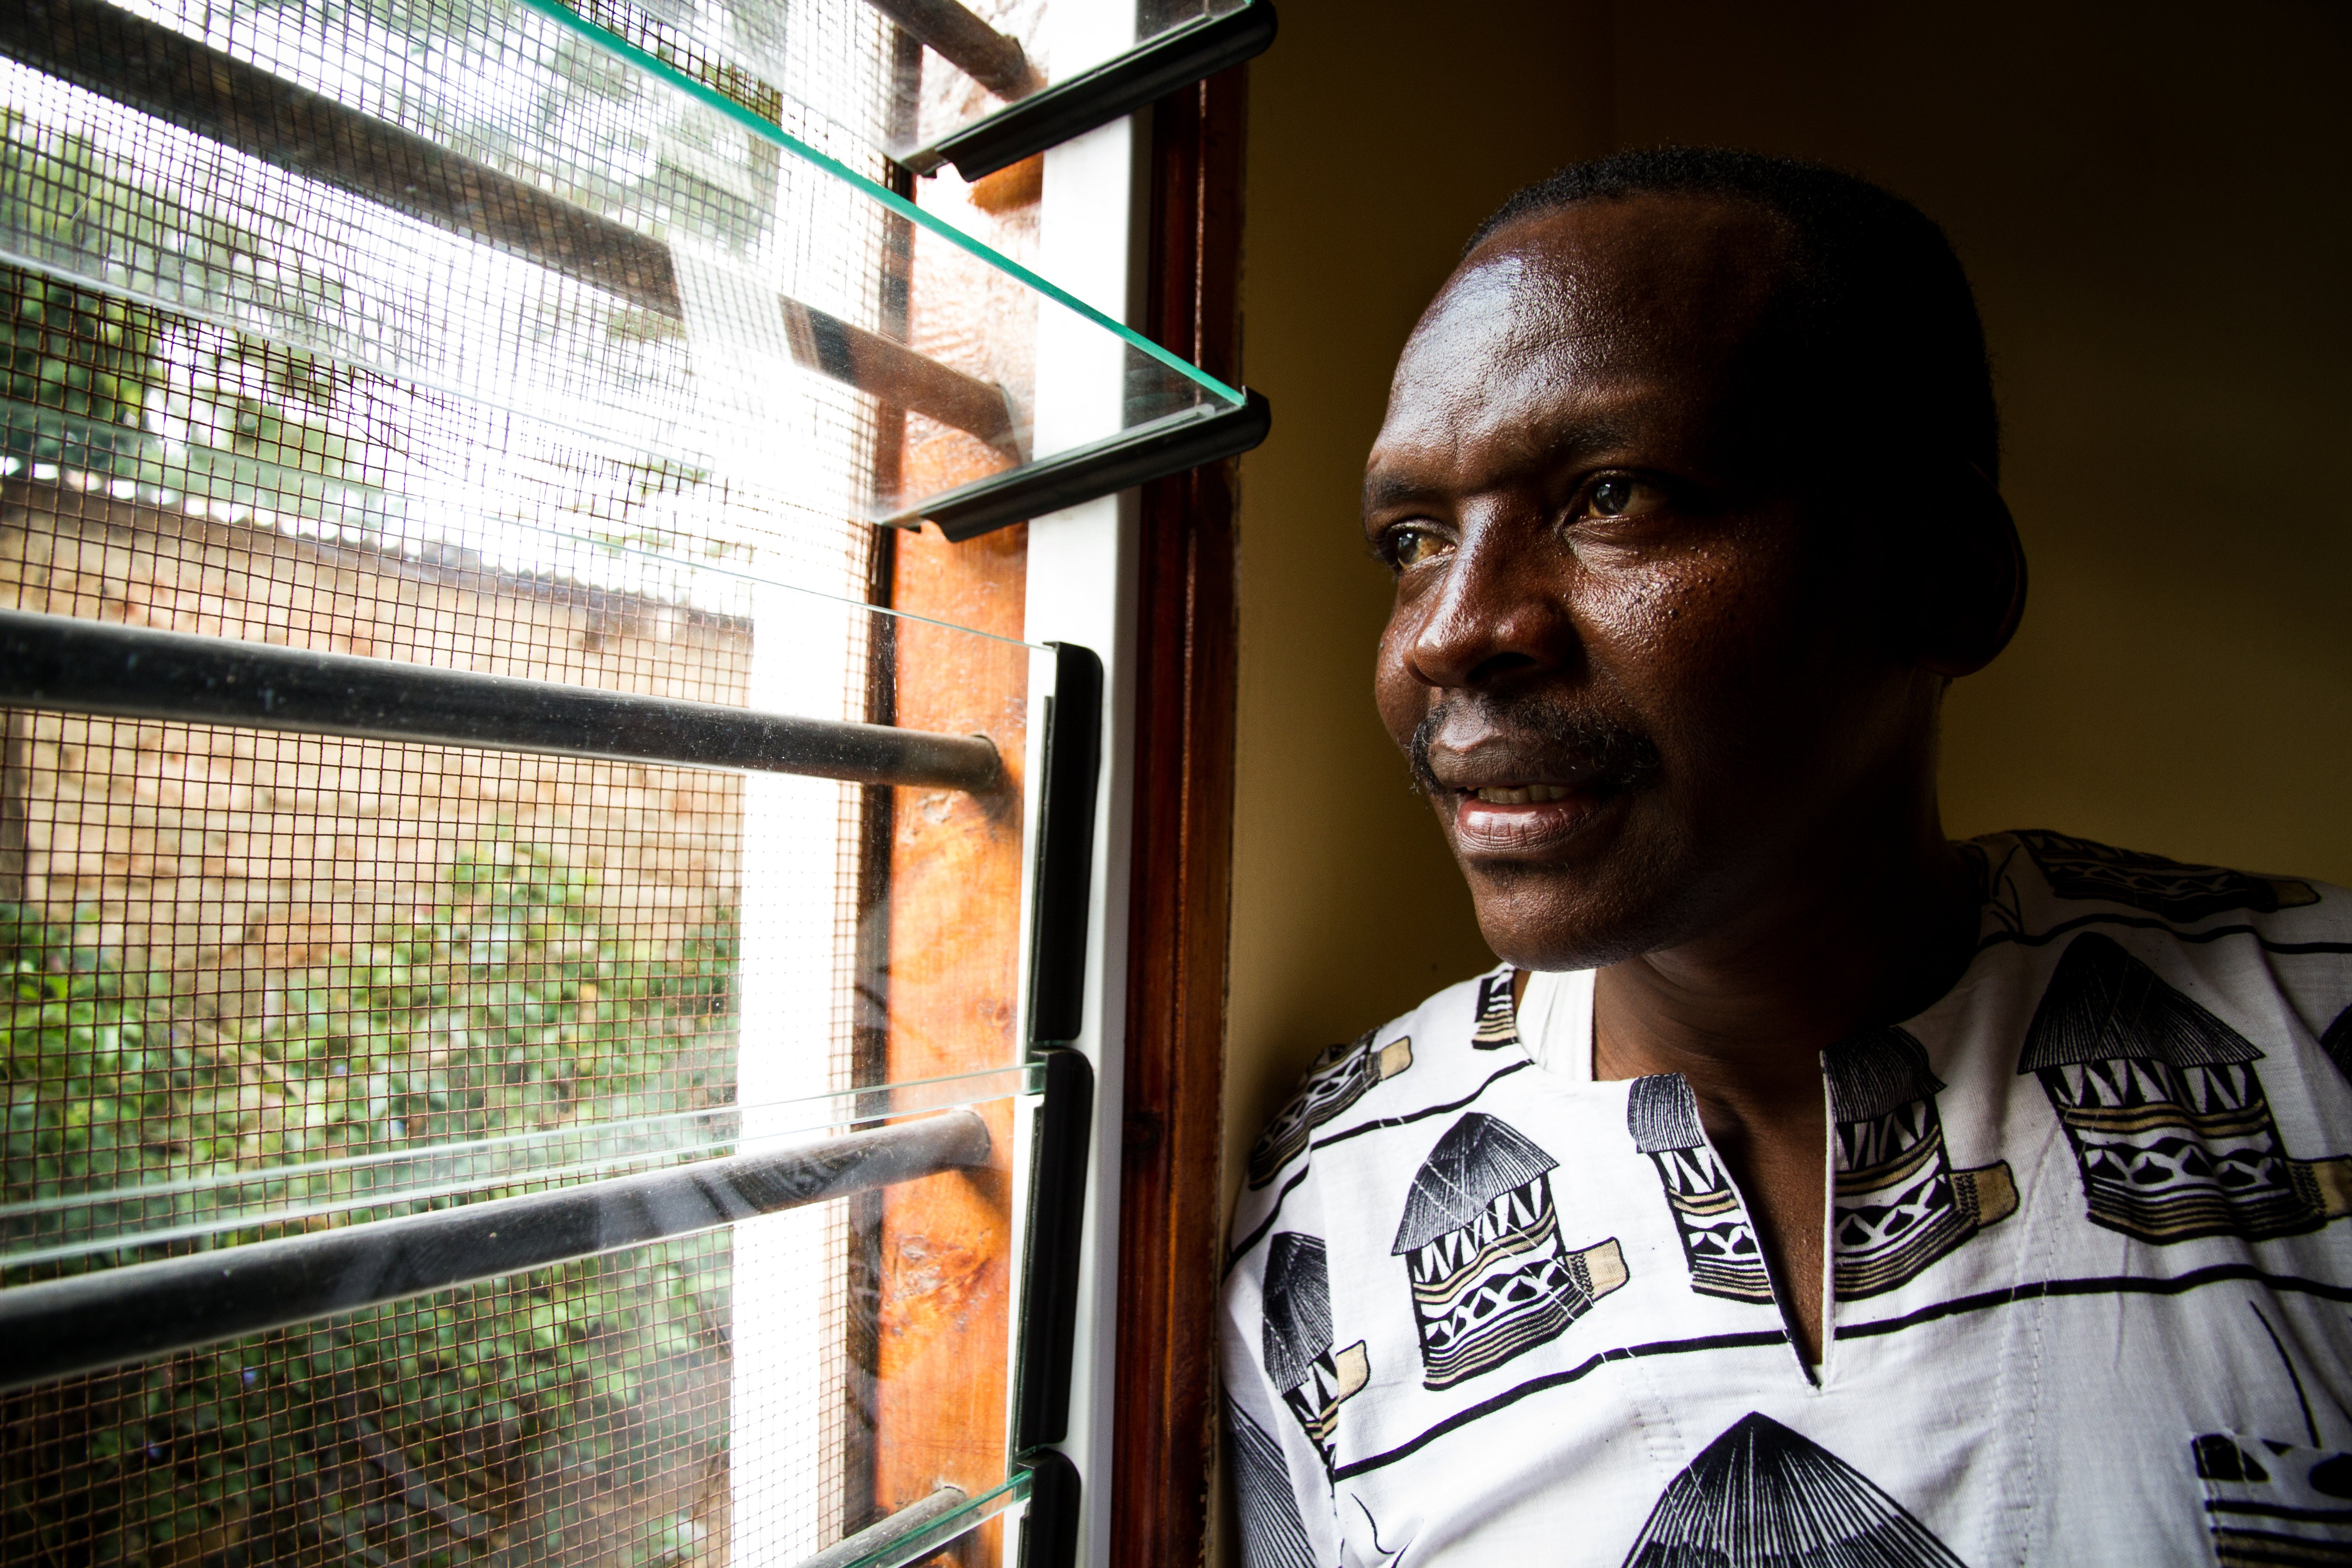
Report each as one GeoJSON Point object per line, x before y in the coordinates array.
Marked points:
{"type": "Point", "coordinates": [1900, 1206]}
{"type": "Point", "coordinates": [1314, 1380]}
{"type": "Point", "coordinates": [1491, 1278]}
{"type": "Point", "coordinates": [2165, 1112]}
{"type": "Point", "coordinates": [2078, 869]}
{"type": "Point", "coordinates": [1763, 1494]}
{"type": "Point", "coordinates": [1271, 1525]}
{"type": "Point", "coordinates": [1718, 1242]}
{"type": "Point", "coordinates": [1338, 1078]}
{"type": "Point", "coordinates": [1497, 1022]}
{"type": "Point", "coordinates": [2338, 1042]}
{"type": "Point", "coordinates": [2271, 1502]}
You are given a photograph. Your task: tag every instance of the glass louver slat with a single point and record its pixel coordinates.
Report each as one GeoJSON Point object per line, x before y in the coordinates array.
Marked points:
{"type": "Point", "coordinates": [517, 208]}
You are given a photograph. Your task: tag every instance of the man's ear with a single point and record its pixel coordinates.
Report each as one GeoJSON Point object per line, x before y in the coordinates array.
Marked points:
{"type": "Point", "coordinates": [1967, 578]}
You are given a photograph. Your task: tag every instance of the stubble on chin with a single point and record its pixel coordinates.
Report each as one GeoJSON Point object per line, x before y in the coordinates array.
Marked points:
{"type": "Point", "coordinates": [1625, 900]}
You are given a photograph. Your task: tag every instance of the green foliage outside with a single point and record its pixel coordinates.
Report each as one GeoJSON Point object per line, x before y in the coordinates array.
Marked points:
{"type": "Point", "coordinates": [578, 1410]}
{"type": "Point", "coordinates": [86, 382]}
{"type": "Point", "coordinates": [85, 389]}
{"type": "Point", "coordinates": [85, 355]}
{"type": "Point", "coordinates": [88, 357]}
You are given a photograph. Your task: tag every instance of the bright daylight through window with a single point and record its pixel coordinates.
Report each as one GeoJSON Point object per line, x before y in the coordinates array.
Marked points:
{"type": "Point", "coordinates": [542, 934]}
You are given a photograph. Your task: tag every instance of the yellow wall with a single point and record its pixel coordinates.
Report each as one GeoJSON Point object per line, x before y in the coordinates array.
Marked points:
{"type": "Point", "coordinates": [2154, 208]}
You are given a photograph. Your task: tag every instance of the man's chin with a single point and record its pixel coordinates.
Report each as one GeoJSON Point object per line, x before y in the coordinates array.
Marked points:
{"type": "Point", "coordinates": [1558, 940]}
{"type": "Point", "coordinates": [1597, 899]}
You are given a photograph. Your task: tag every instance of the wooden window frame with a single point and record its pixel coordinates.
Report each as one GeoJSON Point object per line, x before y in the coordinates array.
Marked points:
{"type": "Point", "coordinates": [1171, 1209]}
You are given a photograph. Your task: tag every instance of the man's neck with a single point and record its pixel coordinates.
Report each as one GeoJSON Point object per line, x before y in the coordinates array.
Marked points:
{"type": "Point", "coordinates": [1745, 1011]}
{"type": "Point", "coordinates": [1839, 942]}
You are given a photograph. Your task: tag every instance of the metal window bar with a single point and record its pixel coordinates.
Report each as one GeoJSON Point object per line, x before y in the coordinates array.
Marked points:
{"type": "Point", "coordinates": [922, 1528]}
{"type": "Point", "coordinates": [964, 41]}
{"type": "Point", "coordinates": [916, 1519]}
{"type": "Point", "coordinates": [63, 663]}
{"type": "Point", "coordinates": [87, 1321]}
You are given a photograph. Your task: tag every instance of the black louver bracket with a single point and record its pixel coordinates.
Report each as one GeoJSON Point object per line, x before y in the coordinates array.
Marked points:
{"type": "Point", "coordinates": [115, 1316]}
{"type": "Point", "coordinates": [1176, 59]}
{"type": "Point", "coordinates": [1049, 1272]}
{"type": "Point", "coordinates": [1049, 1532]}
{"type": "Point", "coordinates": [1147, 452]}
{"type": "Point", "coordinates": [1066, 847]}
{"type": "Point", "coordinates": [66, 664]}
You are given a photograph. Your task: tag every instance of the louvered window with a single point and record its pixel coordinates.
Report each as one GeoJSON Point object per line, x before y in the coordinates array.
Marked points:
{"type": "Point", "coordinates": [551, 939]}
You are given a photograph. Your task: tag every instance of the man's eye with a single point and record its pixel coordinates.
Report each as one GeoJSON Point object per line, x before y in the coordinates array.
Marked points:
{"type": "Point", "coordinates": [1619, 497]}
{"type": "Point", "coordinates": [1411, 546]}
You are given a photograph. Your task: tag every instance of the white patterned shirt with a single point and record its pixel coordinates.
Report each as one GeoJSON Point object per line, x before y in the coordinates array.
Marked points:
{"type": "Point", "coordinates": [2090, 1268]}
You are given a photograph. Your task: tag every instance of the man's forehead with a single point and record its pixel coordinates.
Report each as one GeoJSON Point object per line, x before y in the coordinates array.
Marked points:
{"type": "Point", "coordinates": [1648, 290]}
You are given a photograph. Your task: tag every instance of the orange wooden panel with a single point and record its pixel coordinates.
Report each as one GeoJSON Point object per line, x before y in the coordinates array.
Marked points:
{"type": "Point", "coordinates": [944, 1253]}
{"type": "Point", "coordinates": [946, 1244]}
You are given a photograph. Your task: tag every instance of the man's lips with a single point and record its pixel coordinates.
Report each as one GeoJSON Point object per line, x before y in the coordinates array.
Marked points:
{"type": "Point", "coordinates": [1521, 795]}
{"type": "Point", "coordinates": [1517, 777]}
{"type": "Point", "coordinates": [1517, 819]}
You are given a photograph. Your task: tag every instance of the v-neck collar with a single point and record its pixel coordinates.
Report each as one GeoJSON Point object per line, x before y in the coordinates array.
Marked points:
{"type": "Point", "coordinates": [1553, 1022]}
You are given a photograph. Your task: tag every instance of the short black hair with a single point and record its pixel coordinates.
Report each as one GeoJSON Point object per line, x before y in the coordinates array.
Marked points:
{"type": "Point", "coordinates": [1878, 305]}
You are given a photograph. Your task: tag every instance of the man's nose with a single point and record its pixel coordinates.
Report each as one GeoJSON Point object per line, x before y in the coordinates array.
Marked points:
{"type": "Point", "coordinates": [1500, 613]}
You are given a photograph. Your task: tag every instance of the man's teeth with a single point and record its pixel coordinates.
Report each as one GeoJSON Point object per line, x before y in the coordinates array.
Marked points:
{"type": "Point", "coordinates": [1524, 794]}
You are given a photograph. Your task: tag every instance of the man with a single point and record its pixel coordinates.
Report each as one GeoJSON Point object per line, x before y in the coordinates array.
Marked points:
{"type": "Point", "coordinates": [1803, 1187]}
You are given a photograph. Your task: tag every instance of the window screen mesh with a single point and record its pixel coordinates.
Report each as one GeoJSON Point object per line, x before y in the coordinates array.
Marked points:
{"type": "Point", "coordinates": [580, 1415]}
{"type": "Point", "coordinates": [259, 984]}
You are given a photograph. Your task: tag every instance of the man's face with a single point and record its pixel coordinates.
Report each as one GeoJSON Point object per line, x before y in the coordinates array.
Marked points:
{"type": "Point", "coordinates": [1634, 669]}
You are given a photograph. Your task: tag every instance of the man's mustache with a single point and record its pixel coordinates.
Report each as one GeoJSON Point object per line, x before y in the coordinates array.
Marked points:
{"type": "Point", "coordinates": [1546, 737]}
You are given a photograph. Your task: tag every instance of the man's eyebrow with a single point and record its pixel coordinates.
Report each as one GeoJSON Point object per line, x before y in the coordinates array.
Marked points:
{"type": "Point", "coordinates": [1382, 491]}
{"type": "Point", "coordinates": [1577, 442]}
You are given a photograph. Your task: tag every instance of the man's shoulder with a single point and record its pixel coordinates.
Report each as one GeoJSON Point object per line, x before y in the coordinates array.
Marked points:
{"type": "Point", "coordinates": [2119, 939]}
{"type": "Point", "coordinates": [2036, 882]}
{"type": "Point", "coordinates": [1343, 1076]}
